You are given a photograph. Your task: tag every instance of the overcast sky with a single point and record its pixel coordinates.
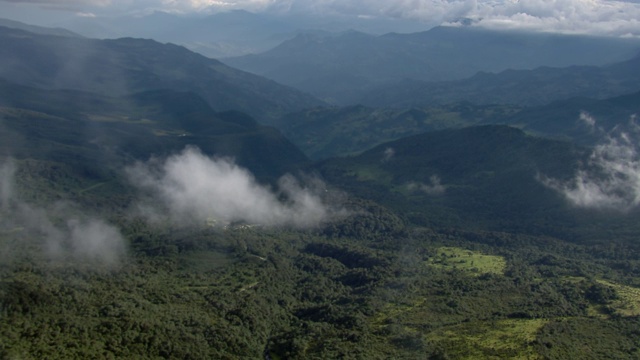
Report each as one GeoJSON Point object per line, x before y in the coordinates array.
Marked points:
{"type": "Point", "coordinates": [605, 17]}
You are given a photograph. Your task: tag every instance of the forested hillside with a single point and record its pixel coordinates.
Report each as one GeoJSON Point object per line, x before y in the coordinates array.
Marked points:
{"type": "Point", "coordinates": [125, 66]}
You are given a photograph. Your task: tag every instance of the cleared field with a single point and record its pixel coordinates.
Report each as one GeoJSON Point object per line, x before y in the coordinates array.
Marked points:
{"type": "Point", "coordinates": [452, 258]}
{"type": "Point", "coordinates": [504, 339]}
{"type": "Point", "coordinates": [628, 301]}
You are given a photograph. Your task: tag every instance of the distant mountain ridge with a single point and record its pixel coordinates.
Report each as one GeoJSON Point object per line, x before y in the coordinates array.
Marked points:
{"type": "Point", "coordinates": [125, 66]}
{"type": "Point", "coordinates": [340, 67]}
{"type": "Point", "coordinates": [328, 132]}
{"type": "Point", "coordinates": [523, 87]}
{"type": "Point", "coordinates": [338, 131]}
{"type": "Point", "coordinates": [566, 118]}
{"type": "Point", "coordinates": [37, 29]}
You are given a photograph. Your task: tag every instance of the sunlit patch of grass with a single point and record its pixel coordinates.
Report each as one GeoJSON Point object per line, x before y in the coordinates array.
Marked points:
{"type": "Point", "coordinates": [161, 132]}
{"type": "Point", "coordinates": [473, 262]}
{"type": "Point", "coordinates": [118, 118]}
{"type": "Point", "coordinates": [21, 113]}
{"type": "Point", "coordinates": [372, 173]}
{"type": "Point", "coordinates": [395, 311]}
{"type": "Point", "coordinates": [504, 339]}
{"type": "Point", "coordinates": [628, 301]}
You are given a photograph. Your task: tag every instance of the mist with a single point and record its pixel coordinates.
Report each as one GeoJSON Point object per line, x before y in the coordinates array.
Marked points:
{"type": "Point", "coordinates": [59, 232]}
{"type": "Point", "coordinates": [388, 154]}
{"type": "Point", "coordinates": [610, 179]}
{"type": "Point", "coordinates": [435, 186]}
{"type": "Point", "coordinates": [193, 187]}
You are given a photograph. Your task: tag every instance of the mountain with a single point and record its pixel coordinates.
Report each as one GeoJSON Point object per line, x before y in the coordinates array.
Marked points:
{"type": "Point", "coordinates": [83, 139]}
{"type": "Point", "coordinates": [228, 33]}
{"type": "Point", "coordinates": [124, 66]}
{"type": "Point", "coordinates": [524, 87]}
{"type": "Point", "coordinates": [325, 132]}
{"type": "Point", "coordinates": [329, 132]}
{"type": "Point", "coordinates": [37, 29]}
{"type": "Point", "coordinates": [480, 177]}
{"type": "Point", "coordinates": [340, 67]}
{"type": "Point", "coordinates": [581, 120]}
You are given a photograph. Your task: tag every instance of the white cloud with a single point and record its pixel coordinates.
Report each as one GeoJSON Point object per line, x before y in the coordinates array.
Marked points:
{"type": "Point", "coordinates": [434, 188]}
{"type": "Point", "coordinates": [611, 179]}
{"type": "Point", "coordinates": [193, 186]}
{"type": "Point", "coordinates": [616, 18]}
{"type": "Point", "coordinates": [587, 119]}
{"type": "Point", "coordinates": [388, 154]}
{"type": "Point", "coordinates": [604, 17]}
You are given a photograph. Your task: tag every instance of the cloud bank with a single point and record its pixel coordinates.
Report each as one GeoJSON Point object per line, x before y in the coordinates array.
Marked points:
{"type": "Point", "coordinates": [59, 235]}
{"type": "Point", "coordinates": [192, 186]}
{"type": "Point", "coordinates": [601, 17]}
{"type": "Point", "coordinates": [611, 178]}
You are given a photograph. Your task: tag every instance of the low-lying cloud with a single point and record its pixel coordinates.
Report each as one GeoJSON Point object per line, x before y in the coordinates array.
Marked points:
{"type": "Point", "coordinates": [435, 186]}
{"type": "Point", "coordinates": [388, 154]}
{"type": "Point", "coordinates": [60, 236]}
{"type": "Point", "coordinates": [192, 186]}
{"type": "Point", "coordinates": [611, 177]}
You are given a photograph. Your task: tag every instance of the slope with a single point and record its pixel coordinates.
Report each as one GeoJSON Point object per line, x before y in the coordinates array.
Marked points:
{"type": "Point", "coordinates": [124, 66]}
{"type": "Point", "coordinates": [328, 132]}
{"type": "Point", "coordinates": [91, 137]}
{"type": "Point", "coordinates": [582, 120]}
{"type": "Point", "coordinates": [487, 177]}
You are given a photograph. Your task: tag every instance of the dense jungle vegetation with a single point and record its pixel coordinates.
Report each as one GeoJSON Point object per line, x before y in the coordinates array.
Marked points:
{"type": "Point", "coordinates": [370, 286]}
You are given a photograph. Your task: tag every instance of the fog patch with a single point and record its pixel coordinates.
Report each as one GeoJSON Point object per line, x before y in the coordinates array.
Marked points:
{"type": "Point", "coordinates": [435, 186]}
{"type": "Point", "coordinates": [588, 120]}
{"type": "Point", "coordinates": [610, 179]}
{"type": "Point", "coordinates": [190, 186]}
{"type": "Point", "coordinates": [59, 233]}
{"type": "Point", "coordinates": [388, 154]}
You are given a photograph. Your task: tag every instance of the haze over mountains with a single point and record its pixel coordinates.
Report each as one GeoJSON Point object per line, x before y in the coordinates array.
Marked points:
{"type": "Point", "coordinates": [341, 67]}
{"type": "Point", "coordinates": [124, 66]}
{"type": "Point", "coordinates": [224, 34]}
{"type": "Point", "coordinates": [525, 87]}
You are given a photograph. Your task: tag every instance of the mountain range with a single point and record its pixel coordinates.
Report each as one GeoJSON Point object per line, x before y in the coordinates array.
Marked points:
{"type": "Point", "coordinates": [125, 66]}
{"type": "Point", "coordinates": [83, 139]}
{"type": "Point", "coordinates": [226, 33]}
{"type": "Point", "coordinates": [524, 87]}
{"type": "Point", "coordinates": [341, 67]}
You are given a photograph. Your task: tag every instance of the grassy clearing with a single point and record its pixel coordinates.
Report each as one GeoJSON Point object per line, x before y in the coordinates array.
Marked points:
{"type": "Point", "coordinates": [473, 262]}
{"type": "Point", "coordinates": [628, 301]}
{"type": "Point", "coordinates": [504, 339]}
{"type": "Point", "coordinates": [395, 311]}
{"type": "Point", "coordinates": [164, 132]}
{"type": "Point", "coordinates": [372, 173]}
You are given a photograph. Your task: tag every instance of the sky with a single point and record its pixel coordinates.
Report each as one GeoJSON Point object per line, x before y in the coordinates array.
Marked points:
{"type": "Point", "coordinates": [598, 17]}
